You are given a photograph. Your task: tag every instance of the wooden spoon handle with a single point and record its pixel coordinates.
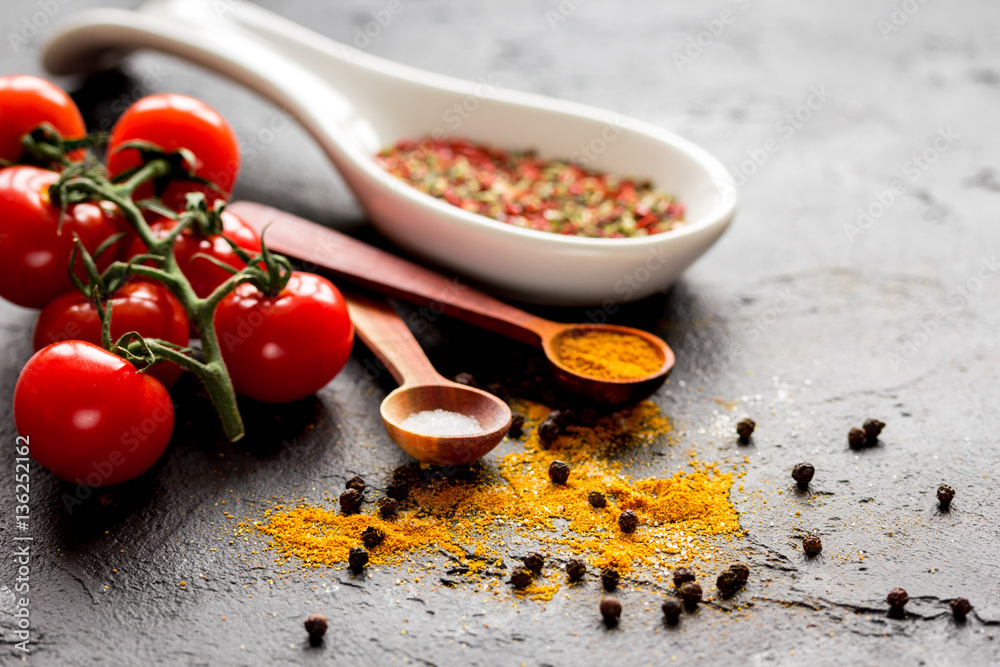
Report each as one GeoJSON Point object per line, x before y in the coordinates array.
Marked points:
{"type": "Point", "coordinates": [384, 272]}
{"type": "Point", "coordinates": [388, 337]}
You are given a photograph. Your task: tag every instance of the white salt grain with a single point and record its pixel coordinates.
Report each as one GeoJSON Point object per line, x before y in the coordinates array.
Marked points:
{"type": "Point", "coordinates": [441, 422]}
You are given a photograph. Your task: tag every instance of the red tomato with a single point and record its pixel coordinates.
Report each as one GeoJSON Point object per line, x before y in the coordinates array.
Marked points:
{"type": "Point", "coordinates": [25, 103]}
{"type": "Point", "coordinates": [34, 253]}
{"type": "Point", "coordinates": [90, 416]}
{"type": "Point", "coordinates": [284, 347]}
{"type": "Point", "coordinates": [173, 122]}
{"type": "Point", "coordinates": [202, 273]}
{"type": "Point", "coordinates": [139, 305]}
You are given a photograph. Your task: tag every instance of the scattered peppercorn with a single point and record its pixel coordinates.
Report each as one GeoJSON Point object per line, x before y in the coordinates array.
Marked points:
{"type": "Point", "coordinates": [672, 608]}
{"type": "Point", "coordinates": [575, 569]}
{"type": "Point", "coordinates": [516, 426]}
{"type": "Point", "coordinates": [357, 483]}
{"type": "Point", "coordinates": [897, 599]}
{"type": "Point", "coordinates": [727, 582]}
{"type": "Point", "coordinates": [611, 611]}
{"type": "Point", "coordinates": [628, 521]}
{"type": "Point", "coordinates": [811, 544]}
{"type": "Point", "coordinates": [803, 474]}
{"type": "Point", "coordinates": [610, 578]}
{"type": "Point", "coordinates": [742, 571]}
{"type": "Point", "coordinates": [960, 608]}
{"type": "Point", "coordinates": [559, 472]}
{"type": "Point", "coordinates": [467, 379]}
{"type": "Point", "coordinates": [372, 537]}
{"type": "Point", "coordinates": [388, 507]}
{"type": "Point", "coordinates": [745, 428]}
{"type": "Point", "coordinates": [597, 499]}
{"type": "Point", "coordinates": [520, 577]}
{"type": "Point", "coordinates": [945, 494]}
{"type": "Point", "coordinates": [548, 431]}
{"type": "Point", "coordinates": [534, 561]}
{"type": "Point", "coordinates": [682, 575]}
{"type": "Point", "coordinates": [562, 418]}
{"type": "Point", "coordinates": [496, 389]}
{"type": "Point", "coordinates": [690, 592]}
{"type": "Point", "coordinates": [856, 438]}
{"type": "Point", "coordinates": [872, 429]}
{"type": "Point", "coordinates": [350, 501]}
{"type": "Point", "coordinates": [357, 558]}
{"type": "Point", "coordinates": [398, 489]}
{"type": "Point", "coordinates": [316, 627]}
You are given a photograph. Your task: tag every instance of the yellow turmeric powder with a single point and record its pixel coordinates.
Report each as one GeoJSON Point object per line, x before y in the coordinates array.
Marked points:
{"type": "Point", "coordinates": [511, 504]}
{"type": "Point", "coordinates": [607, 355]}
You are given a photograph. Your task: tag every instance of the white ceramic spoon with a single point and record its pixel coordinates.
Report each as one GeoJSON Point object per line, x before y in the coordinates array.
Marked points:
{"type": "Point", "coordinates": [354, 104]}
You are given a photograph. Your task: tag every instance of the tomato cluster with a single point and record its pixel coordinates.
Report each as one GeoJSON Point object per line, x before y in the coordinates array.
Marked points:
{"type": "Point", "coordinates": [97, 415]}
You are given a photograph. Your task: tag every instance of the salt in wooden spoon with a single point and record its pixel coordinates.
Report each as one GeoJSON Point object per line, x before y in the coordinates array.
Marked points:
{"type": "Point", "coordinates": [423, 388]}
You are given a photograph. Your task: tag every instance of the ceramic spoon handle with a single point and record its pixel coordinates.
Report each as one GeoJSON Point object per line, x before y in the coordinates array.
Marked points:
{"type": "Point", "coordinates": [389, 339]}
{"type": "Point", "coordinates": [384, 272]}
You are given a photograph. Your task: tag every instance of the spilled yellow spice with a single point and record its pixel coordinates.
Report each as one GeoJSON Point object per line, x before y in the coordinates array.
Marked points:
{"type": "Point", "coordinates": [510, 507]}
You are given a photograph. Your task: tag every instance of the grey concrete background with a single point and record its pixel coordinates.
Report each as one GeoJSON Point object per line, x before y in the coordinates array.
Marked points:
{"type": "Point", "coordinates": [803, 317]}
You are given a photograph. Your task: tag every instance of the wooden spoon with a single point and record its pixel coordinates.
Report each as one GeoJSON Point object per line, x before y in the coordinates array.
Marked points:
{"type": "Point", "coordinates": [384, 272]}
{"type": "Point", "coordinates": [422, 388]}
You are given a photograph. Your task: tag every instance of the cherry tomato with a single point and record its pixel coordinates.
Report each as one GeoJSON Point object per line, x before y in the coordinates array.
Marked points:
{"type": "Point", "coordinates": [139, 305]}
{"type": "Point", "coordinates": [91, 417]}
{"type": "Point", "coordinates": [202, 273]}
{"type": "Point", "coordinates": [173, 122]}
{"type": "Point", "coordinates": [284, 347]}
{"type": "Point", "coordinates": [34, 252]}
{"type": "Point", "coordinates": [25, 103]}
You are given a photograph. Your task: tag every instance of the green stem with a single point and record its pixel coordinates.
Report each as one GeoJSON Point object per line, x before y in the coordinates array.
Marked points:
{"type": "Point", "coordinates": [201, 312]}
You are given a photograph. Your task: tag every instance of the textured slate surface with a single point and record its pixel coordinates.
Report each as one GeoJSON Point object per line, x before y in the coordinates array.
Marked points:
{"type": "Point", "coordinates": [805, 318]}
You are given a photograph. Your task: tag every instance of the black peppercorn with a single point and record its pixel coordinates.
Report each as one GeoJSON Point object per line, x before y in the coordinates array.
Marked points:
{"type": "Point", "coordinates": [727, 582]}
{"type": "Point", "coordinates": [611, 611]}
{"type": "Point", "coordinates": [690, 592]}
{"type": "Point", "coordinates": [548, 431]}
{"type": "Point", "coordinates": [562, 418]}
{"type": "Point", "coordinates": [628, 521]}
{"type": "Point", "coordinates": [742, 571]}
{"type": "Point", "coordinates": [516, 426]}
{"type": "Point", "coordinates": [350, 501]}
{"type": "Point", "coordinates": [945, 494]}
{"type": "Point", "coordinates": [960, 608]}
{"type": "Point", "coordinates": [745, 428]}
{"type": "Point", "coordinates": [388, 507]}
{"type": "Point", "coordinates": [398, 489]}
{"type": "Point", "coordinates": [576, 569]}
{"type": "Point", "coordinates": [856, 438]}
{"type": "Point", "coordinates": [357, 558]}
{"type": "Point", "coordinates": [803, 474]}
{"type": "Point", "coordinates": [682, 575]}
{"type": "Point", "coordinates": [520, 577]}
{"type": "Point", "coordinates": [897, 599]}
{"type": "Point", "coordinates": [610, 578]}
{"type": "Point", "coordinates": [597, 499]}
{"type": "Point", "coordinates": [534, 561]}
{"type": "Point", "coordinates": [811, 544]}
{"type": "Point", "coordinates": [496, 389]}
{"type": "Point", "coordinates": [559, 472]}
{"type": "Point", "coordinates": [672, 608]}
{"type": "Point", "coordinates": [872, 428]}
{"type": "Point", "coordinates": [372, 537]}
{"type": "Point", "coordinates": [467, 379]}
{"type": "Point", "coordinates": [357, 483]}
{"type": "Point", "coordinates": [316, 627]}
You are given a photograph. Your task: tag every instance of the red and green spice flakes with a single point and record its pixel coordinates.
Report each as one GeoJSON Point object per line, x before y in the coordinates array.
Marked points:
{"type": "Point", "coordinates": [520, 189]}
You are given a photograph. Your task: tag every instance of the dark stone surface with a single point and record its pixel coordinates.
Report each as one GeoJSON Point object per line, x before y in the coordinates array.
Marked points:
{"type": "Point", "coordinates": [790, 319]}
